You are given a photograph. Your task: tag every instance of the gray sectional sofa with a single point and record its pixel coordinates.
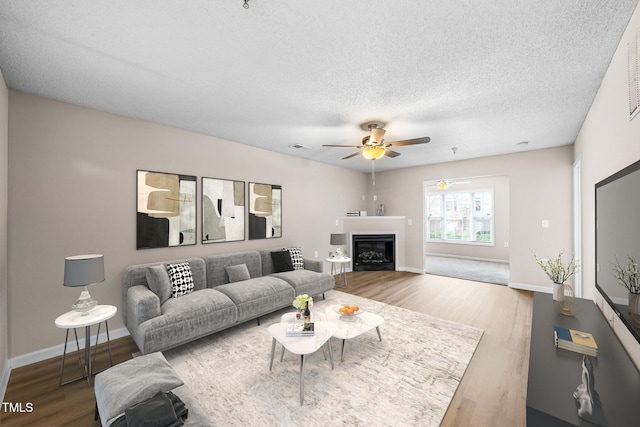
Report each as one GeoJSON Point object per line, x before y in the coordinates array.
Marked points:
{"type": "Point", "coordinates": [228, 289]}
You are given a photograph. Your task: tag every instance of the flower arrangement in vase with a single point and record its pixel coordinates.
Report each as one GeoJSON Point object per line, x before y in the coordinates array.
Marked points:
{"type": "Point", "coordinates": [559, 272]}
{"type": "Point", "coordinates": [303, 304]}
{"type": "Point", "coordinates": [301, 301]}
{"type": "Point", "coordinates": [629, 277]}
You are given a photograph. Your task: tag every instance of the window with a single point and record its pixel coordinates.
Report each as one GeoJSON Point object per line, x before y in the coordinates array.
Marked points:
{"type": "Point", "coordinates": [459, 216]}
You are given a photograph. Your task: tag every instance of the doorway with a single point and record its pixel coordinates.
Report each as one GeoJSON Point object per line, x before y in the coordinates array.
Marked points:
{"type": "Point", "coordinates": [466, 228]}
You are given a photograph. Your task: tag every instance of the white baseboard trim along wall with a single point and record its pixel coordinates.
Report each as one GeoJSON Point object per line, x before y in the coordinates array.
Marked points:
{"type": "Point", "coordinates": [534, 288]}
{"type": "Point", "coordinates": [55, 351]}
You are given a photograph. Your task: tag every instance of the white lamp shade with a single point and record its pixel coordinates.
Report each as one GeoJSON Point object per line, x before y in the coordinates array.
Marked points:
{"type": "Point", "coordinates": [82, 270]}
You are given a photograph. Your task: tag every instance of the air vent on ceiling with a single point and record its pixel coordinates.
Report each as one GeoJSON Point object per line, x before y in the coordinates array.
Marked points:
{"type": "Point", "coordinates": [299, 147]}
{"type": "Point", "coordinates": [634, 77]}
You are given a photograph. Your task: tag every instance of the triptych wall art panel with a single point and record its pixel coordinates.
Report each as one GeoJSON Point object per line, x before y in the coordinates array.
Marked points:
{"type": "Point", "coordinates": [223, 210]}
{"type": "Point", "coordinates": [166, 213]}
{"type": "Point", "coordinates": [265, 211]}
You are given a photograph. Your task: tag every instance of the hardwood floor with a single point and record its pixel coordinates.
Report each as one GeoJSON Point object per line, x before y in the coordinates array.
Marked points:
{"type": "Point", "coordinates": [493, 390]}
{"type": "Point", "coordinates": [491, 393]}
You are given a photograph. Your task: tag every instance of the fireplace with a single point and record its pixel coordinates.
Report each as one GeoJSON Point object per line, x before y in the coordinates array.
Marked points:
{"type": "Point", "coordinates": [372, 252]}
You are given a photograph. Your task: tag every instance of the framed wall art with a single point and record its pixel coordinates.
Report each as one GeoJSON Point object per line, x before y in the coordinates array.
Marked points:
{"type": "Point", "coordinates": [223, 210]}
{"type": "Point", "coordinates": [265, 211]}
{"type": "Point", "coordinates": [166, 210]}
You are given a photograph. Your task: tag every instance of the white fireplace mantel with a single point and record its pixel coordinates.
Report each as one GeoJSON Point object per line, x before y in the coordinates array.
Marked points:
{"type": "Point", "coordinates": [383, 224]}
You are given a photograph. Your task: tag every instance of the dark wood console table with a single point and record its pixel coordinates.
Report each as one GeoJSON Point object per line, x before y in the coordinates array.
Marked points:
{"type": "Point", "coordinates": [554, 373]}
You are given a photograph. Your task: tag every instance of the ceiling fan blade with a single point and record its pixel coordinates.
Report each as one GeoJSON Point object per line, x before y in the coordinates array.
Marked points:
{"type": "Point", "coordinates": [414, 141]}
{"type": "Point", "coordinates": [391, 153]}
{"type": "Point", "coordinates": [335, 145]}
{"type": "Point", "coordinates": [351, 155]}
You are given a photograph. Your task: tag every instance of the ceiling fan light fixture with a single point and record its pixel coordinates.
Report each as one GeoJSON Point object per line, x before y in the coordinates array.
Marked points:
{"type": "Point", "coordinates": [373, 153]}
{"type": "Point", "coordinates": [443, 184]}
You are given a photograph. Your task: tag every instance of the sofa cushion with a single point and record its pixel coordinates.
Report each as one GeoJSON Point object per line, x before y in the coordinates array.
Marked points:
{"type": "Point", "coordinates": [133, 381]}
{"type": "Point", "coordinates": [307, 282]}
{"type": "Point", "coordinates": [187, 318]}
{"type": "Point", "coordinates": [258, 296]}
{"type": "Point", "coordinates": [181, 279]}
{"type": "Point", "coordinates": [217, 266]}
{"type": "Point", "coordinates": [281, 261]}
{"type": "Point", "coordinates": [238, 273]}
{"type": "Point", "coordinates": [296, 258]}
{"type": "Point", "coordinates": [159, 282]}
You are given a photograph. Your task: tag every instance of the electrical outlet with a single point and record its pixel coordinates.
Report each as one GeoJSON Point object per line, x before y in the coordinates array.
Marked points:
{"type": "Point", "coordinates": [337, 222]}
{"type": "Point", "coordinates": [545, 223]}
{"type": "Point", "coordinates": [410, 221]}
{"type": "Point", "coordinates": [315, 254]}
{"type": "Point", "coordinates": [375, 197]}
{"type": "Point", "coordinates": [506, 244]}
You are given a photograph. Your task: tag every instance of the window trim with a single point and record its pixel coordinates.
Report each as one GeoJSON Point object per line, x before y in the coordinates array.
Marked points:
{"type": "Point", "coordinates": [442, 194]}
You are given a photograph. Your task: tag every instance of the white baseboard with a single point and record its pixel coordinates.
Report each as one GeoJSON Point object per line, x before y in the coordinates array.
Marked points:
{"type": "Point", "coordinates": [411, 270]}
{"type": "Point", "coordinates": [57, 350]}
{"type": "Point", "coordinates": [407, 269]}
{"type": "Point", "coordinates": [534, 288]}
{"type": "Point", "coordinates": [471, 258]}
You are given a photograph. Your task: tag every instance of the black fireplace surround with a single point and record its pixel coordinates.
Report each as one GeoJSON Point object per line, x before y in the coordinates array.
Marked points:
{"type": "Point", "coordinates": [373, 252]}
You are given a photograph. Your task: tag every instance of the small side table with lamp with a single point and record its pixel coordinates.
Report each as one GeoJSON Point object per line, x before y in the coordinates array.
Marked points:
{"type": "Point", "coordinates": [84, 270]}
{"type": "Point", "coordinates": [342, 272]}
{"type": "Point", "coordinates": [338, 258]}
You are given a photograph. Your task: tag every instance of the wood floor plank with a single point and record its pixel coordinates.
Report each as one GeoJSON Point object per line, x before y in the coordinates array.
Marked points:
{"type": "Point", "coordinates": [492, 391]}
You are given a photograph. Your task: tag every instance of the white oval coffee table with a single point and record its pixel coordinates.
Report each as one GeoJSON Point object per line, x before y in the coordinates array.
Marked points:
{"type": "Point", "coordinates": [352, 326]}
{"type": "Point", "coordinates": [304, 345]}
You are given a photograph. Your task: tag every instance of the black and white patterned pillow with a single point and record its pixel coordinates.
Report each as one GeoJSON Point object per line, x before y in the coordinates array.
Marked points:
{"type": "Point", "coordinates": [181, 279]}
{"type": "Point", "coordinates": [296, 258]}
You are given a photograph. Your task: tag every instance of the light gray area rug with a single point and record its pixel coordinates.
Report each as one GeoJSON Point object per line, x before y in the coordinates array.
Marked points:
{"type": "Point", "coordinates": [407, 379]}
{"type": "Point", "coordinates": [468, 269]}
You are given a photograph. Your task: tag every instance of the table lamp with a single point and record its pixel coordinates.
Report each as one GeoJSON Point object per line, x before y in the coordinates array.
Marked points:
{"type": "Point", "coordinates": [84, 270]}
{"type": "Point", "coordinates": [338, 240]}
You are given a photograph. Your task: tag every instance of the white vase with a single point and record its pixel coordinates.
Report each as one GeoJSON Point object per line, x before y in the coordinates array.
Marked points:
{"type": "Point", "coordinates": [558, 291]}
{"type": "Point", "coordinates": [564, 300]}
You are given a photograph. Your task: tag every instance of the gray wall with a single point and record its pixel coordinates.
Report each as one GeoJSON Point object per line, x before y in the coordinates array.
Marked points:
{"type": "Point", "coordinates": [72, 190]}
{"type": "Point", "coordinates": [608, 141]}
{"type": "Point", "coordinates": [539, 188]}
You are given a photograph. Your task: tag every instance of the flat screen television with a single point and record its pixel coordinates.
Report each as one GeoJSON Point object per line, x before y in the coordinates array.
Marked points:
{"type": "Point", "coordinates": [617, 201]}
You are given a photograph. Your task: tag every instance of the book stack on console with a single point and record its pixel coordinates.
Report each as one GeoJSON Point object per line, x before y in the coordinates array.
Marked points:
{"type": "Point", "coordinates": [353, 213]}
{"type": "Point", "coordinates": [578, 341]}
{"type": "Point", "coordinates": [299, 329]}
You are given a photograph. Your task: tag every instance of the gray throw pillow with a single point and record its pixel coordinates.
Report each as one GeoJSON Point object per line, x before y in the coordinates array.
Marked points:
{"type": "Point", "coordinates": [238, 273]}
{"type": "Point", "coordinates": [158, 281]}
{"type": "Point", "coordinates": [132, 382]}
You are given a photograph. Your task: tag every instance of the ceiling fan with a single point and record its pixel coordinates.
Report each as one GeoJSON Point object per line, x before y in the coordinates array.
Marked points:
{"type": "Point", "coordinates": [374, 146]}
{"type": "Point", "coordinates": [444, 184]}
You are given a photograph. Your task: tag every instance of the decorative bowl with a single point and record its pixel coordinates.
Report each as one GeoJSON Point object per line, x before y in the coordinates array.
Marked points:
{"type": "Point", "coordinates": [348, 310]}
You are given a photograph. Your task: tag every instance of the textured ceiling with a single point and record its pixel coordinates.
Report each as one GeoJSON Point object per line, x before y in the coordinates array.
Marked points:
{"type": "Point", "coordinates": [477, 75]}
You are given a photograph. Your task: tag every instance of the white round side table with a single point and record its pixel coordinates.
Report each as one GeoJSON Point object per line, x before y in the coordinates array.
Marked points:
{"type": "Point", "coordinates": [342, 262]}
{"type": "Point", "coordinates": [73, 320]}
